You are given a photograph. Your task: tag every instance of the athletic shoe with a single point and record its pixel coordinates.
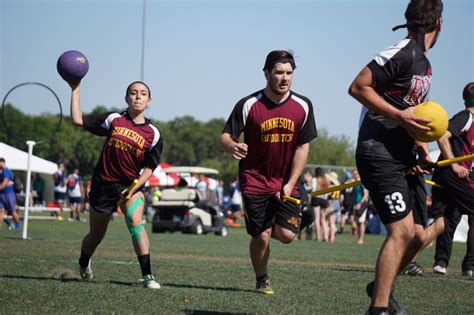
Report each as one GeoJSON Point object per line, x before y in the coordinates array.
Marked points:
{"type": "Point", "coordinates": [380, 313]}
{"type": "Point", "coordinates": [70, 219]}
{"type": "Point", "coordinates": [394, 306]}
{"type": "Point", "coordinates": [86, 273]}
{"type": "Point", "coordinates": [231, 223]}
{"type": "Point", "coordinates": [264, 287]}
{"type": "Point", "coordinates": [59, 218]}
{"type": "Point", "coordinates": [468, 273]}
{"type": "Point", "coordinates": [150, 283]}
{"type": "Point", "coordinates": [413, 269]}
{"type": "Point", "coordinates": [439, 270]}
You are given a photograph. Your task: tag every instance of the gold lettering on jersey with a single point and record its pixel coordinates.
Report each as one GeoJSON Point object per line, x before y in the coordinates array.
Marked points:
{"type": "Point", "coordinates": [119, 144]}
{"type": "Point", "coordinates": [276, 137]}
{"type": "Point", "coordinates": [130, 134]}
{"type": "Point", "coordinates": [274, 123]}
{"type": "Point", "coordinates": [277, 122]}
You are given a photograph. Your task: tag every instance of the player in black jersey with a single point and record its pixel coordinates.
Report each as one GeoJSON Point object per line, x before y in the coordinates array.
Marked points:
{"type": "Point", "coordinates": [389, 87]}
{"type": "Point", "coordinates": [457, 181]}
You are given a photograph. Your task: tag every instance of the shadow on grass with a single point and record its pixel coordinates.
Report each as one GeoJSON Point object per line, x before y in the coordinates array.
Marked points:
{"type": "Point", "coordinates": [186, 286]}
{"type": "Point", "coordinates": [371, 270]}
{"type": "Point", "coordinates": [62, 278]}
{"type": "Point", "coordinates": [200, 312]}
{"type": "Point", "coordinates": [205, 287]}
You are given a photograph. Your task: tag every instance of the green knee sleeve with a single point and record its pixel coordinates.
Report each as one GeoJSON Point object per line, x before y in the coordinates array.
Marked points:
{"type": "Point", "coordinates": [134, 230]}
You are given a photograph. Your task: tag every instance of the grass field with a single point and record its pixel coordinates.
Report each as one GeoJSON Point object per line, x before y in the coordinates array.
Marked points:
{"type": "Point", "coordinates": [208, 274]}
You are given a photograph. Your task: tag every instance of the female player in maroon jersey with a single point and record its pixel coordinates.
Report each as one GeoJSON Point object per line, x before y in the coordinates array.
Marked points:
{"type": "Point", "coordinates": [131, 151]}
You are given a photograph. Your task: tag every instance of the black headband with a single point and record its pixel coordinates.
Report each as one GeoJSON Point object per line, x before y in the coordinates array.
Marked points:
{"type": "Point", "coordinates": [469, 102]}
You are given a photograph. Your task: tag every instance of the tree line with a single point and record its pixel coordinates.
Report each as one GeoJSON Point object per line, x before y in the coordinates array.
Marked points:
{"type": "Point", "coordinates": [187, 141]}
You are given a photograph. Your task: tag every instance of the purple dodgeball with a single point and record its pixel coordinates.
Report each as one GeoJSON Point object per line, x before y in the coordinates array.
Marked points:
{"type": "Point", "coordinates": [72, 66]}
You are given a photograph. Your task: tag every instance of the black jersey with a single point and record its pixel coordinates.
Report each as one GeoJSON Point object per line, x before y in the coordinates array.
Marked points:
{"type": "Point", "coordinates": [129, 146]}
{"type": "Point", "coordinates": [272, 133]}
{"type": "Point", "coordinates": [402, 76]}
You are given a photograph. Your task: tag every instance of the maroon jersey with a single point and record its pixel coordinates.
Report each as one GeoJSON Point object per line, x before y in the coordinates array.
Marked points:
{"type": "Point", "coordinates": [272, 133]}
{"type": "Point", "coordinates": [461, 127]}
{"type": "Point", "coordinates": [129, 146]}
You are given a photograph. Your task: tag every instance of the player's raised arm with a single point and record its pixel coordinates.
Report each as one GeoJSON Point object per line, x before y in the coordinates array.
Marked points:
{"type": "Point", "coordinates": [76, 112]}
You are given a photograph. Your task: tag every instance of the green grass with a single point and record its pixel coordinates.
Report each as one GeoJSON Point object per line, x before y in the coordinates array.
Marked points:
{"type": "Point", "coordinates": [208, 273]}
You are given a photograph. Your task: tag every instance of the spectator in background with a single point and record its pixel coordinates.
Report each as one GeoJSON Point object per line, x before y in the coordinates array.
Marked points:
{"type": "Point", "coordinates": [60, 190]}
{"type": "Point", "coordinates": [235, 204]}
{"type": "Point", "coordinates": [75, 191]}
{"type": "Point", "coordinates": [333, 211]}
{"type": "Point", "coordinates": [38, 187]}
{"type": "Point", "coordinates": [7, 195]}
{"type": "Point", "coordinates": [220, 193]}
{"type": "Point", "coordinates": [346, 200]}
{"type": "Point", "coordinates": [360, 203]}
{"type": "Point", "coordinates": [202, 187]}
{"type": "Point", "coordinates": [320, 204]}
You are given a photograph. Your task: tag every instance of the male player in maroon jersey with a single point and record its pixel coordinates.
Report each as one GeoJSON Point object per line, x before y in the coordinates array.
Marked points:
{"type": "Point", "coordinates": [278, 125]}
{"type": "Point", "coordinates": [389, 87]}
{"type": "Point", "coordinates": [132, 144]}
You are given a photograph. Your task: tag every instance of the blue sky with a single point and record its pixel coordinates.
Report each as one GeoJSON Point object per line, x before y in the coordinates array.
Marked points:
{"type": "Point", "coordinates": [202, 56]}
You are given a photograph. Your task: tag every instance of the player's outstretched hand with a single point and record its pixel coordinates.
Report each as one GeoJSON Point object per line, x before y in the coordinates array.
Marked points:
{"type": "Point", "coordinates": [413, 124]}
{"type": "Point", "coordinates": [74, 85]}
{"type": "Point", "coordinates": [424, 164]}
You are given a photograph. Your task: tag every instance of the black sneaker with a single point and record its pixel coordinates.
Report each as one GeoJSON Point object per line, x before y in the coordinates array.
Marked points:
{"type": "Point", "coordinates": [379, 313]}
{"type": "Point", "coordinates": [393, 305]}
{"type": "Point", "coordinates": [413, 269]}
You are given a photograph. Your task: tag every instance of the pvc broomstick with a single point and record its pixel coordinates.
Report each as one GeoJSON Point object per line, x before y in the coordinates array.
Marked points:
{"type": "Point", "coordinates": [129, 189]}
{"type": "Point", "coordinates": [441, 163]}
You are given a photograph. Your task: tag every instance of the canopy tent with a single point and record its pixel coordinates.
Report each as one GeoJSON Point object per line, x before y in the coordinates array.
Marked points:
{"type": "Point", "coordinates": [17, 160]}
{"type": "Point", "coordinates": [161, 178]}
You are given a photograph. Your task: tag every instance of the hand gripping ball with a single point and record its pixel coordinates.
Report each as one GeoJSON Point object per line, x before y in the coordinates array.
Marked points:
{"type": "Point", "coordinates": [72, 66]}
{"type": "Point", "coordinates": [439, 121]}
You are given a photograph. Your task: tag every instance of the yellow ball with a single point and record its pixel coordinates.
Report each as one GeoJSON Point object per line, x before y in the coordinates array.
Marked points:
{"type": "Point", "coordinates": [439, 120]}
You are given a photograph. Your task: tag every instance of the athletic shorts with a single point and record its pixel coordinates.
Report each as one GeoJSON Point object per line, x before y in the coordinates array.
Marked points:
{"type": "Point", "coordinates": [361, 215]}
{"type": "Point", "coordinates": [8, 202]}
{"type": "Point", "coordinates": [264, 211]}
{"type": "Point", "coordinates": [105, 197]}
{"type": "Point", "coordinates": [456, 193]}
{"type": "Point", "coordinates": [319, 202]}
{"type": "Point", "coordinates": [346, 209]}
{"type": "Point", "coordinates": [393, 193]}
{"type": "Point", "coordinates": [73, 200]}
{"type": "Point", "coordinates": [59, 196]}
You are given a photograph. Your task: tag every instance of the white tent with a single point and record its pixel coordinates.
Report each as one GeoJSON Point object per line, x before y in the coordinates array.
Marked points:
{"type": "Point", "coordinates": [17, 160]}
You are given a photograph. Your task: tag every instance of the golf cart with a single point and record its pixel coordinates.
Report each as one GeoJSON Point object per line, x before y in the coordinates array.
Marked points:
{"type": "Point", "coordinates": [185, 209]}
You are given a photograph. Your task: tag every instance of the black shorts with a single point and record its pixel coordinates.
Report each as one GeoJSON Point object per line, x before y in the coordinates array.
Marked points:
{"type": "Point", "coordinates": [393, 193]}
{"type": "Point", "coordinates": [59, 196]}
{"type": "Point", "coordinates": [456, 193]}
{"type": "Point", "coordinates": [262, 212]}
{"type": "Point", "coordinates": [319, 202]}
{"type": "Point", "coordinates": [346, 209]}
{"type": "Point", "coordinates": [104, 197]}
